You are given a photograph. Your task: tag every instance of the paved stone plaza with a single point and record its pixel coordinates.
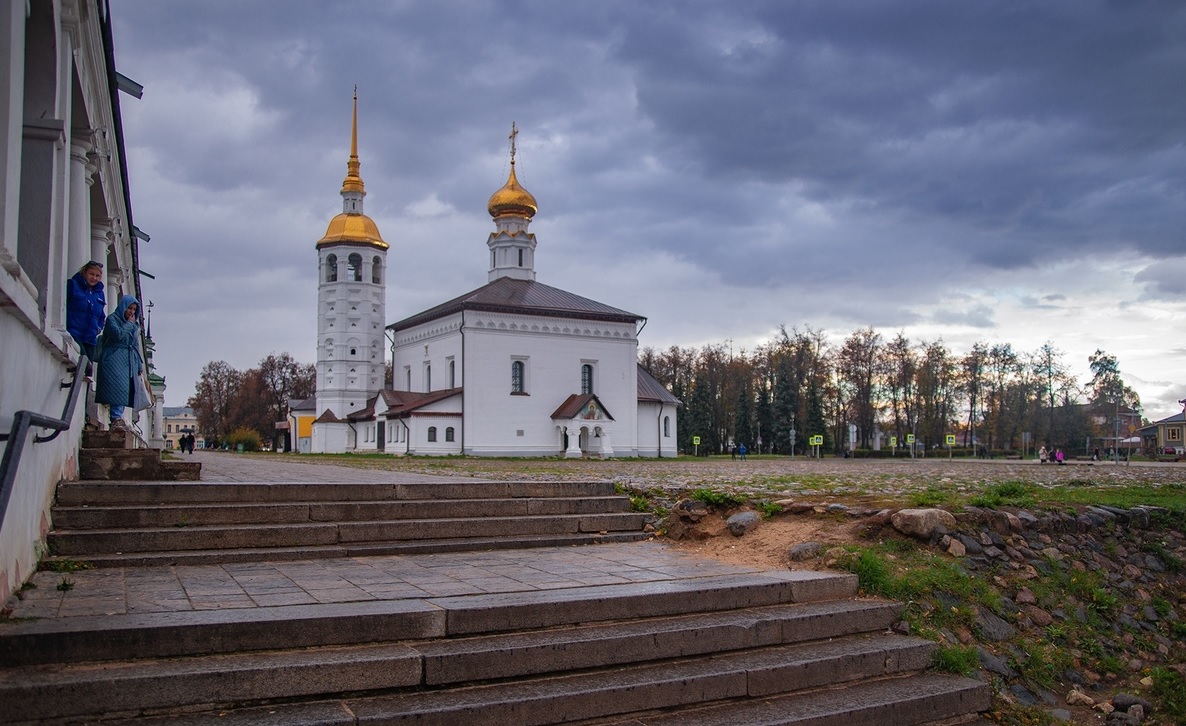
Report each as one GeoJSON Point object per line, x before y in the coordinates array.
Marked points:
{"type": "Point", "coordinates": [118, 591]}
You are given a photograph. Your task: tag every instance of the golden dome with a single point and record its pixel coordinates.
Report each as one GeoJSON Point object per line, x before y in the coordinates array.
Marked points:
{"type": "Point", "coordinates": [353, 228]}
{"type": "Point", "coordinates": [512, 199]}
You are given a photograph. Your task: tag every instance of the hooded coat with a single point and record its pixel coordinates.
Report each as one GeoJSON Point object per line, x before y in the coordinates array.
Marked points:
{"type": "Point", "coordinates": [84, 309]}
{"type": "Point", "coordinates": [119, 356]}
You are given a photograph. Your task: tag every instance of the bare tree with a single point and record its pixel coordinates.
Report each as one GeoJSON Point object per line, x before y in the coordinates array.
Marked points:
{"type": "Point", "coordinates": [214, 397]}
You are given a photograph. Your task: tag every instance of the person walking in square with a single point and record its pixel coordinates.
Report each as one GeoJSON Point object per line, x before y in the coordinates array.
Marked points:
{"type": "Point", "coordinates": [120, 364]}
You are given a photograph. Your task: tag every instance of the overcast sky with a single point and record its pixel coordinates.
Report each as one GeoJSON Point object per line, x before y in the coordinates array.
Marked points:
{"type": "Point", "coordinates": [998, 171]}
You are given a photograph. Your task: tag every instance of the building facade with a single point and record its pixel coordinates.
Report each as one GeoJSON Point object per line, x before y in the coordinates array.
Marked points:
{"type": "Point", "coordinates": [63, 201]}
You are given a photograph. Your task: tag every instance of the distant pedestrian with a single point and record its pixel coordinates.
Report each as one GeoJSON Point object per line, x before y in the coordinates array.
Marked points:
{"type": "Point", "coordinates": [1042, 455]}
{"type": "Point", "coordinates": [741, 451]}
{"type": "Point", "coordinates": [1058, 456]}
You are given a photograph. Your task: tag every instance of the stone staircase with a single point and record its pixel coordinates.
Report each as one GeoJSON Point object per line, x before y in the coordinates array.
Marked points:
{"type": "Point", "coordinates": [754, 648]}
{"type": "Point", "coordinates": [709, 644]}
{"type": "Point", "coordinates": [113, 455]}
{"type": "Point", "coordinates": [119, 524]}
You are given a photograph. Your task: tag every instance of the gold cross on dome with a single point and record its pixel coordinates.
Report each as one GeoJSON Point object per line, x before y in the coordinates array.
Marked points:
{"type": "Point", "coordinates": [513, 134]}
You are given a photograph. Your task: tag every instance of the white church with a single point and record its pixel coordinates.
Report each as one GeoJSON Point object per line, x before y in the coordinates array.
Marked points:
{"type": "Point", "coordinates": [512, 368]}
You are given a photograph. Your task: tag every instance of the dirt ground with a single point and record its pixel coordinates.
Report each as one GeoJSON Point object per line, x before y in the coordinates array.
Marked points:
{"type": "Point", "coordinates": [767, 545]}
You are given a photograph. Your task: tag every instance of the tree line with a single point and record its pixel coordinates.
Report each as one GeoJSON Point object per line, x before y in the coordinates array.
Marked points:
{"type": "Point", "coordinates": [988, 397]}
{"type": "Point", "coordinates": [226, 399]}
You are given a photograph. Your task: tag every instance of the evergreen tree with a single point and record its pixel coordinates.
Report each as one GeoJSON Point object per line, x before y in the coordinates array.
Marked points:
{"type": "Point", "coordinates": [743, 431]}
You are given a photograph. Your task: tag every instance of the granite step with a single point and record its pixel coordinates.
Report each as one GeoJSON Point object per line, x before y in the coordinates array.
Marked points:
{"type": "Point", "coordinates": [356, 549]}
{"type": "Point", "coordinates": [85, 493]}
{"type": "Point", "coordinates": [208, 632]}
{"type": "Point", "coordinates": [127, 686]}
{"type": "Point", "coordinates": [112, 516]}
{"type": "Point", "coordinates": [90, 542]}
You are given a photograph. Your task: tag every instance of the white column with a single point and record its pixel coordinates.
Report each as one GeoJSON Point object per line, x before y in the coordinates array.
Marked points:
{"type": "Point", "coordinates": [574, 442]}
{"type": "Point", "coordinates": [79, 233]}
{"type": "Point", "coordinates": [607, 449]}
{"type": "Point", "coordinates": [100, 241]}
{"type": "Point", "coordinates": [156, 438]}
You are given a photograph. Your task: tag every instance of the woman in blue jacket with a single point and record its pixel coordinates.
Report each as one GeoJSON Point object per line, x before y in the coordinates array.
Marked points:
{"type": "Point", "coordinates": [86, 306]}
{"type": "Point", "coordinates": [119, 358]}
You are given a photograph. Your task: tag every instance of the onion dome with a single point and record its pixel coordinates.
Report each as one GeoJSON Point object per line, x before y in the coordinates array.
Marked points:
{"type": "Point", "coordinates": [512, 199]}
{"type": "Point", "coordinates": [353, 228]}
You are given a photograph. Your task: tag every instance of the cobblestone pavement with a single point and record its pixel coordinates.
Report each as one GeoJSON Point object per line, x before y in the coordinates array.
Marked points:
{"type": "Point", "coordinates": [132, 590]}
{"type": "Point", "coordinates": [775, 475]}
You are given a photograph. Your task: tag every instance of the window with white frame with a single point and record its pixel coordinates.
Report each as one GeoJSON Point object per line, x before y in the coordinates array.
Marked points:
{"type": "Point", "coordinates": [666, 427]}
{"type": "Point", "coordinates": [432, 433]}
{"type": "Point", "coordinates": [587, 378]}
{"type": "Point", "coordinates": [449, 434]}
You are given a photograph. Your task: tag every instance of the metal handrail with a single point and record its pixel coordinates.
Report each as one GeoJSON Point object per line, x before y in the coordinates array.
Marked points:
{"type": "Point", "coordinates": [22, 421]}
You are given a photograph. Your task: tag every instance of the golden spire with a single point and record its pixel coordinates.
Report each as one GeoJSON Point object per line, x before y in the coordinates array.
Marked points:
{"type": "Point", "coordinates": [512, 199]}
{"type": "Point", "coordinates": [353, 182]}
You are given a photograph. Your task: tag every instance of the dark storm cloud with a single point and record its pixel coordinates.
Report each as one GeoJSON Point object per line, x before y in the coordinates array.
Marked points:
{"type": "Point", "coordinates": [1021, 123]}
{"type": "Point", "coordinates": [872, 163]}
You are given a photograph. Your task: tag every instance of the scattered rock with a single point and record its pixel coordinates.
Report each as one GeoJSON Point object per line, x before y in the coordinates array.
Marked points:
{"type": "Point", "coordinates": [992, 627]}
{"type": "Point", "coordinates": [1079, 698]}
{"type": "Point", "coordinates": [742, 523]}
{"type": "Point", "coordinates": [922, 523]}
{"type": "Point", "coordinates": [804, 551]}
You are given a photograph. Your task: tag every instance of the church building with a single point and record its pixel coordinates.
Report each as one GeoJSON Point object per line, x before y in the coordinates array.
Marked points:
{"type": "Point", "coordinates": [512, 368]}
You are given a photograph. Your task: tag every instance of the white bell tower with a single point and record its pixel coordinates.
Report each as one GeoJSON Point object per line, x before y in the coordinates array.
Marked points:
{"type": "Point", "coordinates": [351, 309]}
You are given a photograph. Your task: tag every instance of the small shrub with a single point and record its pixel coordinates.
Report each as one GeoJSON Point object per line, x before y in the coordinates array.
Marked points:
{"type": "Point", "coordinates": [248, 438]}
{"type": "Point", "coordinates": [719, 500]}
{"type": "Point", "coordinates": [66, 584]}
{"type": "Point", "coordinates": [769, 509]}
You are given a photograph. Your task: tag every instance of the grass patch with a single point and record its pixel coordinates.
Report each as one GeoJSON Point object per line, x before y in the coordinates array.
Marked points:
{"type": "Point", "coordinates": [66, 584]}
{"type": "Point", "coordinates": [66, 566]}
{"type": "Point", "coordinates": [962, 660]}
{"type": "Point", "coordinates": [1009, 493]}
{"type": "Point", "coordinates": [768, 509]}
{"type": "Point", "coordinates": [931, 497]}
{"type": "Point", "coordinates": [1170, 688]}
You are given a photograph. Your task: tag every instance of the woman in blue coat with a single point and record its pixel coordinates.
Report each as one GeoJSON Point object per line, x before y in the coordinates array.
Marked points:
{"type": "Point", "coordinates": [86, 306]}
{"type": "Point", "coordinates": [119, 358]}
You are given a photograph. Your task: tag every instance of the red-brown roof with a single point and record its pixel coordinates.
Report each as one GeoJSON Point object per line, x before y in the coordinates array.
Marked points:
{"type": "Point", "coordinates": [524, 297]}
{"type": "Point", "coordinates": [572, 406]}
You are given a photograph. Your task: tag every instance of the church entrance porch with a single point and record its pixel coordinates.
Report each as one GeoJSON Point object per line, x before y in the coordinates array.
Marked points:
{"type": "Point", "coordinates": [580, 440]}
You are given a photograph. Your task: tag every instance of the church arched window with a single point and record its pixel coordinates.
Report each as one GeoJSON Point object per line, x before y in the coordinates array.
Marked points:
{"type": "Point", "coordinates": [449, 434]}
{"type": "Point", "coordinates": [432, 433]}
{"type": "Point", "coordinates": [666, 427]}
{"type": "Point", "coordinates": [331, 268]}
{"type": "Point", "coordinates": [518, 370]}
{"type": "Point", "coordinates": [586, 378]}
{"type": "Point", "coordinates": [377, 270]}
{"type": "Point", "coordinates": [452, 374]}
{"type": "Point", "coordinates": [354, 267]}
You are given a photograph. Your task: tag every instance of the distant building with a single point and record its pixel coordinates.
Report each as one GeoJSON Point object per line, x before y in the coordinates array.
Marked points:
{"type": "Point", "coordinates": [1168, 434]}
{"type": "Point", "coordinates": [512, 368]}
{"type": "Point", "coordinates": [179, 421]}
